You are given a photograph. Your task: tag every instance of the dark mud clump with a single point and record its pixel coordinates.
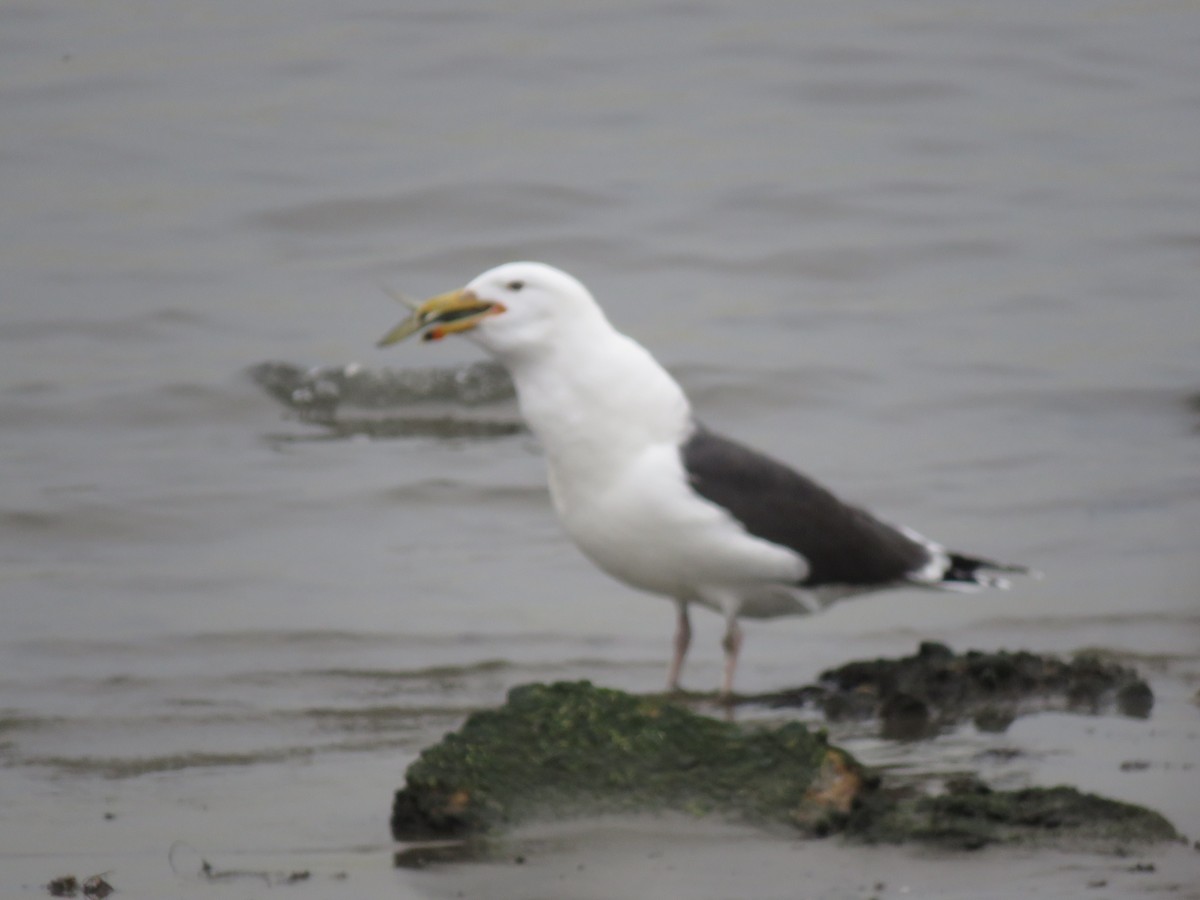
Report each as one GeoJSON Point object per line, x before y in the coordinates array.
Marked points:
{"type": "Point", "coordinates": [916, 695]}
{"type": "Point", "coordinates": [93, 888]}
{"type": "Point", "coordinates": [970, 815]}
{"type": "Point", "coordinates": [572, 749]}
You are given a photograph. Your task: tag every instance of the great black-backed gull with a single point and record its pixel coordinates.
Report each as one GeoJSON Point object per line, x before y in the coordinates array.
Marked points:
{"type": "Point", "coordinates": [654, 498]}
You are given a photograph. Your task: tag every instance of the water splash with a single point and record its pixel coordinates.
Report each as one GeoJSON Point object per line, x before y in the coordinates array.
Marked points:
{"type": "Point", "coordinates": [322, 389]}
{"type": "Point", "coordinates": [319, 394]}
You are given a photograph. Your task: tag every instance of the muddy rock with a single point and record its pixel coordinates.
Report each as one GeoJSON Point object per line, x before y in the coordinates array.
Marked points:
{"type": "Point", "coordinates": [970, 815]}
{"type": "Point", "coordinates": [915, 695]}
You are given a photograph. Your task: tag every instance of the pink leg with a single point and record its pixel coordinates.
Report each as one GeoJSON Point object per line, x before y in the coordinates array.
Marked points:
{"type": "Point", "coordinates": [683, 640]}
{"type": "Point", "coordinates": [732, 644]}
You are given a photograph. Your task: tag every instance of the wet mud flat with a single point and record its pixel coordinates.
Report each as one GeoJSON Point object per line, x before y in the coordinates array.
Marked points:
{"type": "Point", "coordinates": [660, 857]}
{"type": "Point", "coordinates": [748, 833]}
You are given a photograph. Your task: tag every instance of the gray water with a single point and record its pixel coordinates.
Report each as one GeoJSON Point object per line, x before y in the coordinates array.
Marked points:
{"type": "Point", "coordinates": [945, 257]}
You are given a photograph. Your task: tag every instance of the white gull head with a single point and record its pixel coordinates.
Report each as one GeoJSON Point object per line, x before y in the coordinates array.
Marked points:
{"type": "Point", "coordinates": [543, 307]}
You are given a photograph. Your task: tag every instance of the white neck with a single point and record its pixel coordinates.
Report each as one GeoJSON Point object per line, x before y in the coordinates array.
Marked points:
{"type": "Point", "coordinates": [596, 401]}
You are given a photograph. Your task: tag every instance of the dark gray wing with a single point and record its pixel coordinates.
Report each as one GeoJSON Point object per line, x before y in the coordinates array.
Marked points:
{"type": "Point", "coordinates": [842, 544]}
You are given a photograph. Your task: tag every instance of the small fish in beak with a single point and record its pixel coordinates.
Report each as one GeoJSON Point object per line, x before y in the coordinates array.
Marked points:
{"type": "Point", "coordinates": [444, 314]}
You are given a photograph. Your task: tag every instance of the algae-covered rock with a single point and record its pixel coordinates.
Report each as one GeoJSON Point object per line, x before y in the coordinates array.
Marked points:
{"type": "Point", "coordinates": [573, 749]}
{"type": "Point", "coordinates": [971, 815]}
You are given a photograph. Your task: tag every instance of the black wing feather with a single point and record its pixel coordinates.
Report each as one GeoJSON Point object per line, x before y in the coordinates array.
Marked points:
{"type": "Point", "coordinates": [842, 544]}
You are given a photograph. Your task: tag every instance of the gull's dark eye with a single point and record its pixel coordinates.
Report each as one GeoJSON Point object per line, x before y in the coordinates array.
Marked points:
{"type": "Point", "coordinates": [515, 285]}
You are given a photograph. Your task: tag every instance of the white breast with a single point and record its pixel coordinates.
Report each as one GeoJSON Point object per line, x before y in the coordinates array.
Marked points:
{"type": "Point", "coordinates": [611, 421]}
{"type": "Point", "coordinates": [645, 526]}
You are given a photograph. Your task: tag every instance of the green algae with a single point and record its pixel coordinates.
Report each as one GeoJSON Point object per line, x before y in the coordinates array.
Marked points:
{"type": "Point", "coordinates": [574, 749]}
